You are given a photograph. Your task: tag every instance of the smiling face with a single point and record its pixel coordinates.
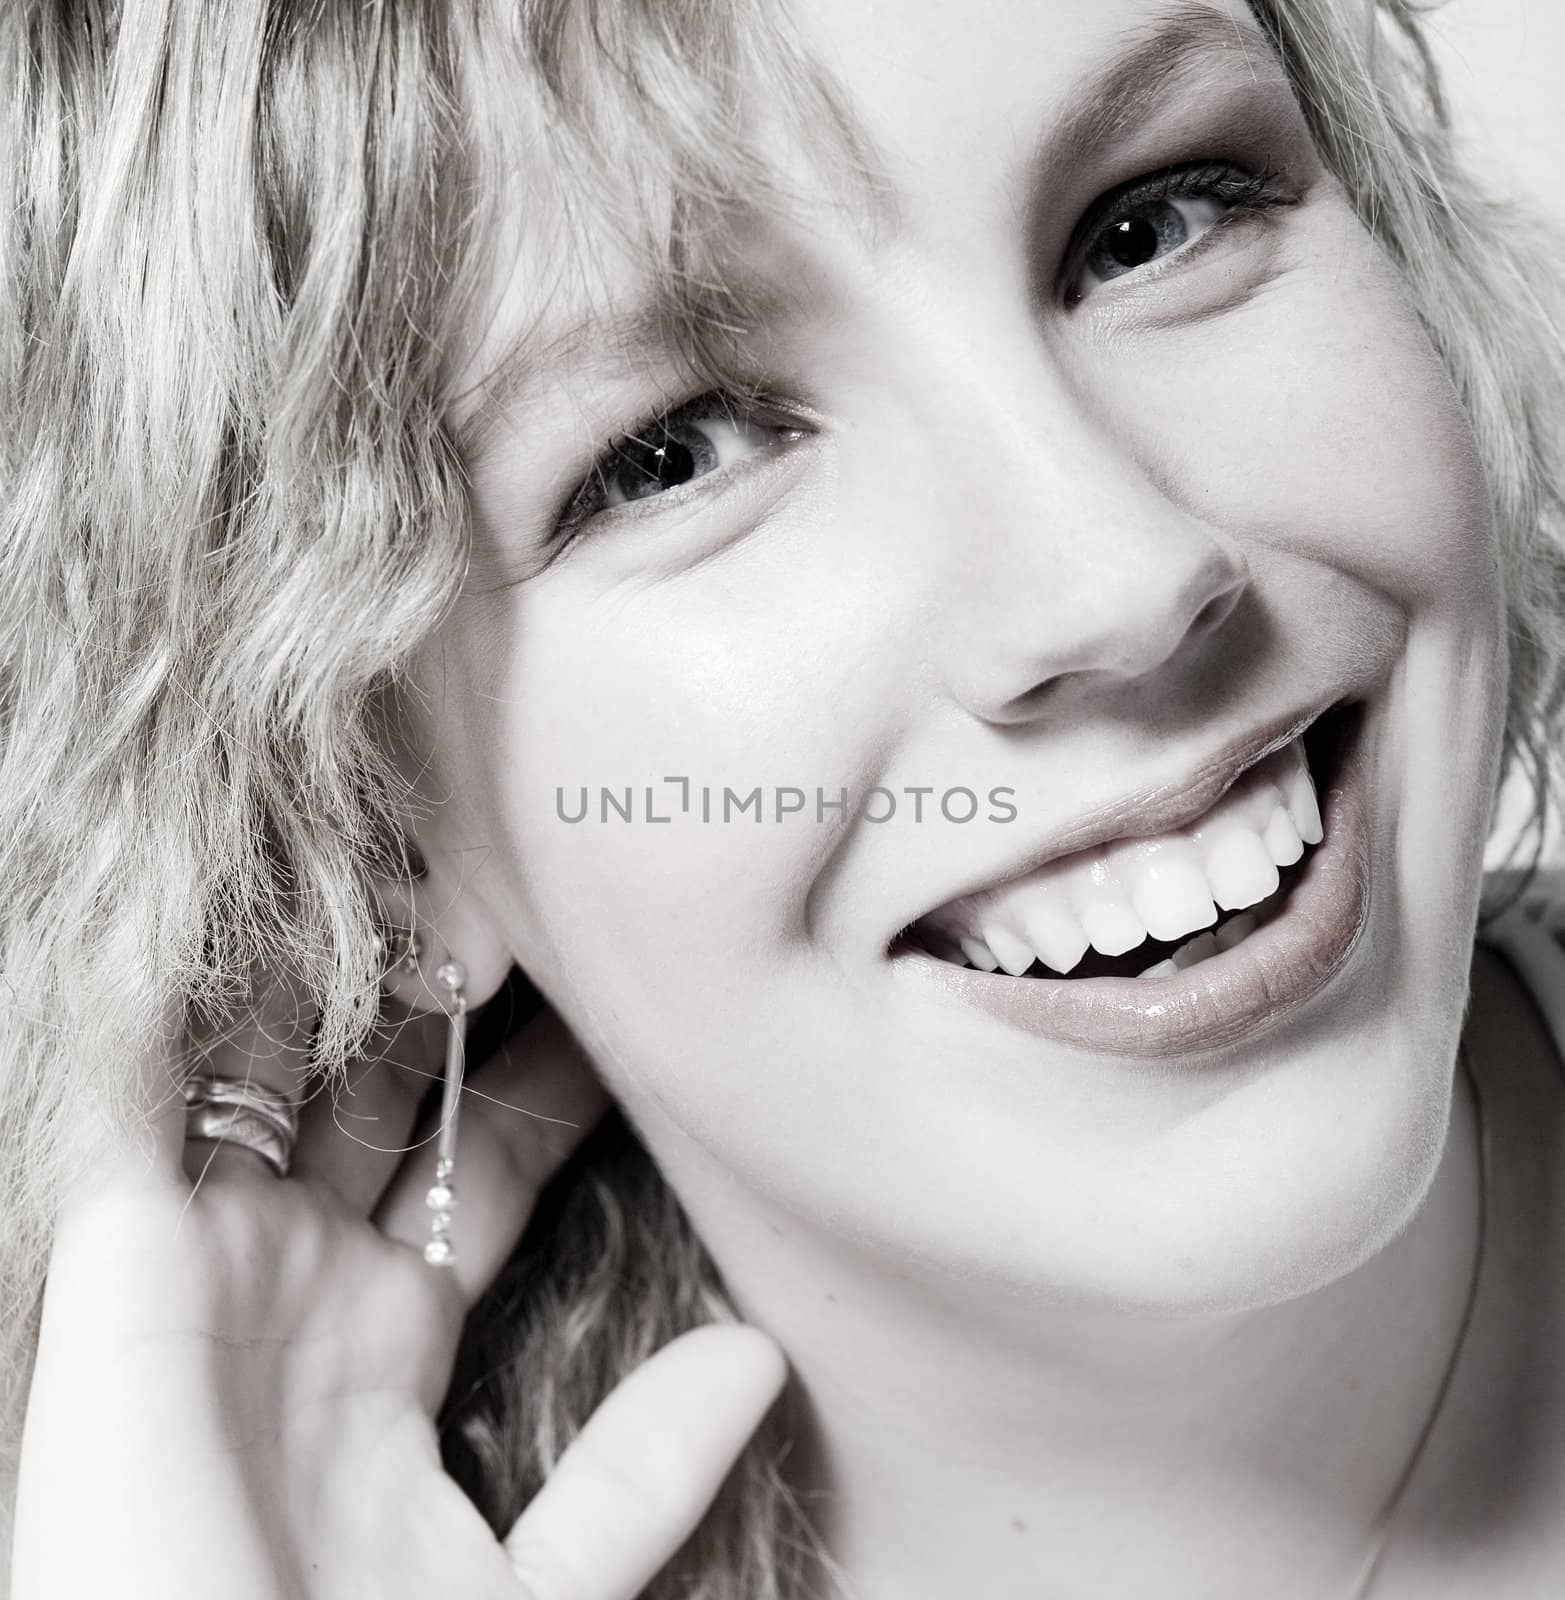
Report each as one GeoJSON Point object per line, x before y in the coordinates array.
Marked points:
{"type": "Point", "coordinates": [1096, 469]}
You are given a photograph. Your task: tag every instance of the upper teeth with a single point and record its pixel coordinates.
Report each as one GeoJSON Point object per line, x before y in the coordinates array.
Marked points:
{"type": "Point", "coordinates": [1166, 885]}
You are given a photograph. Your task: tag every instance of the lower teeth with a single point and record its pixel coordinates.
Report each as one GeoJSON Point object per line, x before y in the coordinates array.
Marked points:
{"type": "Point", "coordinates": [1214, 941]}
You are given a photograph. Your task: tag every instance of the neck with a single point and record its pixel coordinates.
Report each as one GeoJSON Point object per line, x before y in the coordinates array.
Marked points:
{"type": "Point", "coordinates": [946, 1451]}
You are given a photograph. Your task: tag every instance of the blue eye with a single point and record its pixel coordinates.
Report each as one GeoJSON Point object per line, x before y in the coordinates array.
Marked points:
{"type": "Point", "coordinates": [673, 451]}
{"type": "Point", "coordinates": [1147, 221]}
{"type": "Point", "coordinates": [666, 456]}
{"type": "Point", "coordinates": [1153, 229]}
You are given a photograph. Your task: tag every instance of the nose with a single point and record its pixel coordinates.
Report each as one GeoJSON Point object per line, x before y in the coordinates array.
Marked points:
{"type": "Point", "coordinates": [1085, 574]}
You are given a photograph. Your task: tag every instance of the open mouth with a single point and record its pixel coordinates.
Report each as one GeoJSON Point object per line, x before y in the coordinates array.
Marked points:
{"type": "Point", "coordinates": [1150, 906]}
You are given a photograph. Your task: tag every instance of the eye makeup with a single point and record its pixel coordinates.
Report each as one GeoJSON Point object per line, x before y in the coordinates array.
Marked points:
{"type": "Point", "coordinates": [1242, 195]}
{"type": "Point", "coordinates": [668, 457]}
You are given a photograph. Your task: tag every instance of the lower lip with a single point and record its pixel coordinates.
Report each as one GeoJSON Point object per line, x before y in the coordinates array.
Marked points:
{"type": "Point", "coordinates": [1233, 996]}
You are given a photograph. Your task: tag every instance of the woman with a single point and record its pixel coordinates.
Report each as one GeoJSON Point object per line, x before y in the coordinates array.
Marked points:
{"type": "Point", "coordinates": [954, 586]}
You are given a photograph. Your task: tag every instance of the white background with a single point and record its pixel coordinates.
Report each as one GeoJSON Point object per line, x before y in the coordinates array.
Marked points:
{"type": "Point", "coordinates": [1503, 62]}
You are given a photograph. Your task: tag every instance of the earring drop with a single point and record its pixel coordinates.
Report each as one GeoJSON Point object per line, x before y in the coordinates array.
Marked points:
{"type": "Point", "coordinates": [441, 1197]}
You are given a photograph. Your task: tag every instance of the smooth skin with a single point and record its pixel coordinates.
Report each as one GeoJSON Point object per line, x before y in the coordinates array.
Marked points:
{"type": "Point", "coordinates": [238, 1376]}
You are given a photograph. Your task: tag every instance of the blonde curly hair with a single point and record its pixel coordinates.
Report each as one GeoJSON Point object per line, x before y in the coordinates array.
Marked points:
{"type": "Point", "coordinates": [241, 244]}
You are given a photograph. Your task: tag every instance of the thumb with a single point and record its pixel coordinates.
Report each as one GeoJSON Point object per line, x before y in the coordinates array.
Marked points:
{"type": "Point", "coordinates": [108, 1156]}
{"type": "Point", "coordinates": [638, 1478]}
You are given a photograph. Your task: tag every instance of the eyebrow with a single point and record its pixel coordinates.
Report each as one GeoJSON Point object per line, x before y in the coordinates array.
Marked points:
{"type": "Point", "coordinates": [1136, 80]}
{"type": "Point", "coordinates": [612, 345]}
{"type": "Point", "coordinates": [609, 345]}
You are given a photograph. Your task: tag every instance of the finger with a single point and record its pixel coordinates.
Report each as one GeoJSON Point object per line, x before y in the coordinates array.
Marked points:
{"type": "Point", "coordinates": [354, 1135]}
{"type": "Point", "coordinates": [522, 1113]}
{"type": "Point", "coordinates": [266, 1043]}
{"type": "Point", "coordinates": [638, 1478]}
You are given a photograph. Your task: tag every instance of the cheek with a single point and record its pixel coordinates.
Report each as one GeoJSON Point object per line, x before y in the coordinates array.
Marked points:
{"type": "Point", "coordinates": [1332, 444]}
{"type": "Point", "coordinates": [638, 799]}
{"type": "Point", "coordinates": [1327, 429]}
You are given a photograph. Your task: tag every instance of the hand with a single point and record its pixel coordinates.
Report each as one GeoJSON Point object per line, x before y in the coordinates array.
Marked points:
{"type": "Point", "coordinates": [238, 1374]}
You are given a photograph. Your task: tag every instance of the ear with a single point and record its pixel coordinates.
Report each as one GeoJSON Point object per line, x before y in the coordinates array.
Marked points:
{"type": "Point", "coordinates": [452, 924]}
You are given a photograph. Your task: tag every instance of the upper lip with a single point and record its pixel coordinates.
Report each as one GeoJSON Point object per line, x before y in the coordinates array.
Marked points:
{"type": "Point", "coordinates": [1159, 808]}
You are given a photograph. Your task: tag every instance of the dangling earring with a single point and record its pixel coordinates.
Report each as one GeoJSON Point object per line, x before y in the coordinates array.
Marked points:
{"type": "Point", "coordinates": [441, 1198]}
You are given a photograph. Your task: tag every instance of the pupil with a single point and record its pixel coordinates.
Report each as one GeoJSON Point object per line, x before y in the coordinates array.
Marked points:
{"type": "Point", "coordinates": [659, 463]}
{"type": "Point", "coordinates": [1133, 242]}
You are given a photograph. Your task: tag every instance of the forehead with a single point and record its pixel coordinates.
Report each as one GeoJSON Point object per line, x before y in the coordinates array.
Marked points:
{"type": "Point", "coordinates": [938, 85]}
{"type": "Point", "coordinates": [633, 235]}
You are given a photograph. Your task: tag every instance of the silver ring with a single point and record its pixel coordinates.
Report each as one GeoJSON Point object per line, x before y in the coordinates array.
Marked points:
{"type": "Point", "coordinates": [238, 1111]}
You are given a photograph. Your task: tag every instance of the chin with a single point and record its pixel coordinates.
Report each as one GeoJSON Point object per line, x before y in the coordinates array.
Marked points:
{"type": "Point", "coordinates": [1341, 1146]}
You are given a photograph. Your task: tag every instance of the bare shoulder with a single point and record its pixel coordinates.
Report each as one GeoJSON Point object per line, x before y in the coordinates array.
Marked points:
{"type": "Point", "coordinates": [1486, 1513]}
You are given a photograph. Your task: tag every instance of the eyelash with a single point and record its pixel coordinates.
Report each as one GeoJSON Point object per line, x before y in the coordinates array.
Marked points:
{"type": "Point", "coordinates": [752, 407]}
{"type": "Point", "coordinates": [1245, 194]}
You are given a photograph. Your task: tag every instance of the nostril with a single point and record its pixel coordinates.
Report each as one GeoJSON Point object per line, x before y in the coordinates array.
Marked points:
{"type": "Point", "coordinates": [1215, 612]}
